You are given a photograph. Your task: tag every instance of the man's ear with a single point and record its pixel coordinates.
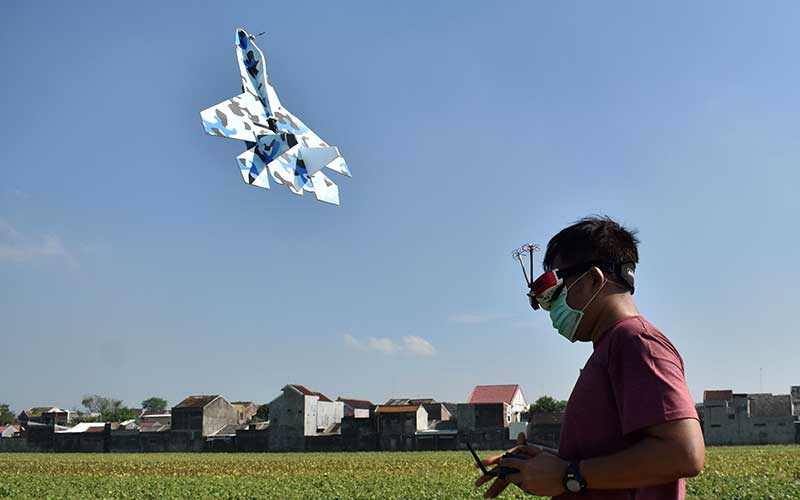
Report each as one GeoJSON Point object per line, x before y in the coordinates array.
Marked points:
{"type": "Point", "coordinates": [598, 278]}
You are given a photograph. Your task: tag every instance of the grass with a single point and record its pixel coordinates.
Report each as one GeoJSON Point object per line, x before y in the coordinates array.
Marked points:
{"type": "Point", "coordinates": [740, 473]}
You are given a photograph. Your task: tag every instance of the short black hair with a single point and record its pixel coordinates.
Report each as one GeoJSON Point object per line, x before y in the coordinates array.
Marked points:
{"type": "Point", "coordinates": [594, 238]}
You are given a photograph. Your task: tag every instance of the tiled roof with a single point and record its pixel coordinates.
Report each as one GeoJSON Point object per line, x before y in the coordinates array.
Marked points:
{"type": "Point", "coordinates": [308, 392]}
{"type": "Point", "coordinates": [356, 403]}
{"type": "Point", "coordinates": [244, 403]}
{"type": "Point", "coordinates": [493, 393]}
{"type": "Point", "coordinates": [726, 395]}
{"type": "Point", "coordinates": [409, 402]}
{"type": "Point", "coordinates": [397, 409]}
{"type": "Point", "coordinates": [196, 401]}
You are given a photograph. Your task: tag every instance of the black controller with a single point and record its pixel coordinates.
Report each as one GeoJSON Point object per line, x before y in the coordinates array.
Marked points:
{"type": "Point", "coordinates": [500, 472]}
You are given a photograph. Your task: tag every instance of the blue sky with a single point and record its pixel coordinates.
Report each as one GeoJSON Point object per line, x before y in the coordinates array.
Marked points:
{"type": "Point", "coordinates": [135, 262]}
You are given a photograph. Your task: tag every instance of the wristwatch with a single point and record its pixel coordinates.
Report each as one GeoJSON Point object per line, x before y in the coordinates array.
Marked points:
{"type": "Point", "coordinates": [573, 481]}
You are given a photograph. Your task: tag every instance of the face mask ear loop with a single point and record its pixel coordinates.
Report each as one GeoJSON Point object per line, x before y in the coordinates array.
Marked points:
{"type": "Point", "coordinates": [605, 280]}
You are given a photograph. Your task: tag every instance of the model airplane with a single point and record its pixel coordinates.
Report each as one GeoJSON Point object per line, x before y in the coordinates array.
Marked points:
{"type": "Point", "coordinates": [278, 143]}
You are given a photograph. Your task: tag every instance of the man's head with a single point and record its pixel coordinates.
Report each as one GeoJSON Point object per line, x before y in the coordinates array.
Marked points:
{"type": "Point", "coordinates": [602, 256]}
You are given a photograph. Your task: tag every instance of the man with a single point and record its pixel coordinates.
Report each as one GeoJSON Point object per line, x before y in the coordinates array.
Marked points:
{"type": "Point", "coordinates": [630, 430]}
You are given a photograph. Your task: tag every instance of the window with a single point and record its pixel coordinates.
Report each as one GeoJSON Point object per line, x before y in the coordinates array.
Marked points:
{"type": "Point", "coordinates": [714, 426]}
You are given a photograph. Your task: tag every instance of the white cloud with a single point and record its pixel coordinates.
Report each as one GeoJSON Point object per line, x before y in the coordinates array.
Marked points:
{"type": "Point", "coordinates": [411, 345]}
{"type": "Point", "coordinates": [353, 342]}
{"type": "Point", "coordinates": [382, 344]}
{"type": "Point", "coordinates": [418, 346]}
{"type": "Point", "coordinates": [18, 247]}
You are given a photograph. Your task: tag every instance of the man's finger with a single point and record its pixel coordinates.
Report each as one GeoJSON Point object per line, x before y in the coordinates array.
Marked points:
{"type": "Point", "coordinates": [496, 488]}
{"type": "Point", "coordinates": [483, 479]}
{"type": "Point", "coordinates": [492, 460]}
{"type": "Point", "coordinates": [515, 478]}
{"type": "Point", "coordinates": [514, 463]}
{"type": "Point", "coordinates": [522, 439]}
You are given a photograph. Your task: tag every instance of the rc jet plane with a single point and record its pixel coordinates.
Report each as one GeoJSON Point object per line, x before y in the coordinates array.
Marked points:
{"type": "Point", "coordinates": [279, 145]}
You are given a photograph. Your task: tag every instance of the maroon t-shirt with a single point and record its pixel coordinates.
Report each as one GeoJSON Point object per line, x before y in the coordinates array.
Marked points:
{"type": "Point", "coordinates": [633, 379]}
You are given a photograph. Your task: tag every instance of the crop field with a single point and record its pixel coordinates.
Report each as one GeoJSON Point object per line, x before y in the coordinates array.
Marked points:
{"type": "Point", "coordinates": [740, 473]}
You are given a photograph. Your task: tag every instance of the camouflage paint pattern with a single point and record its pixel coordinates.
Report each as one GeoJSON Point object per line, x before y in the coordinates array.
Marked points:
{"type": "Point", "coordinates": [279, 145]}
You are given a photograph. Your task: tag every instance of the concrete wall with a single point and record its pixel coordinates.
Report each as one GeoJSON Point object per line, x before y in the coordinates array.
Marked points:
{"type": "Point", "coordinates": [125, 441]}
{"type": "Point", "coordinates": [287, 421]}
{"type": "Point", "coordinates": [397, 431]}
{"type": "Point", "coordinates": [17, 444]}
{"type": "Point", "coordinates": [252, 441]}
{"type": "Point", "coordinates": [737, 422]}
{"type": "Point", "coordinates": [217, 414]}
{"type": "Point", "coordinates": [422, 419]}
{"type": "Point", "coordinates": [482, 416]}
{"type": "Point", "coordinates": [359, 434]}
{"type": "Point", "coordinates": [310, 415]}
{"type": "Point", "coordinates": [329, 413]}
{"type": "Point", "coordinates": [485, 439]}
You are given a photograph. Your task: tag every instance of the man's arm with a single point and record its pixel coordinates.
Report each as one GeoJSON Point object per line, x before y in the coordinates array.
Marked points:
{"type": "Point", "coordinates": [663, 453]}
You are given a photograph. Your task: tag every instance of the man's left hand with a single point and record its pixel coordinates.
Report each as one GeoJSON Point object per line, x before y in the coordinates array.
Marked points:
{"type": "Point", "coordinates": [541, 475]}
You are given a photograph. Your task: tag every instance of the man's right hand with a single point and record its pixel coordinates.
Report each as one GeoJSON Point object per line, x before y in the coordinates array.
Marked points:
{"type": "Point", "coordinates": [499, 485]}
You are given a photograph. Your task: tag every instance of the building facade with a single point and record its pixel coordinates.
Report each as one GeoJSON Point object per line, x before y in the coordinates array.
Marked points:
{"type": "Point", "coordinates": [203, 415]}
{"type": "Point", "coordinates": [739, 419]}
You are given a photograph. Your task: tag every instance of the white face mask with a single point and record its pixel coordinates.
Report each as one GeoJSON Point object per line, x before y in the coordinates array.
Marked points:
{"type": "Point", "coordinates": [566, 319]}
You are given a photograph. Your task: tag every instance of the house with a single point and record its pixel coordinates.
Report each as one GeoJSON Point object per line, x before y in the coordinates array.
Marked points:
{"type": "Point", "coordinates": [357, 408]}
{"type": "Point", "coordinates": [397, 426]}
{"type": "Point", "coordinates": [438, 412]}
{"type": "Point", "coordinates": [479, 416]}
{"type": "Point", "coordinates": [543, 429]}
{"type": "Point", "coordinates": [484, 425]}
{"type": "Point", "coordinates": [246, 410]}
{"type": "Point", "coordinates": [735, 419]}
{"type": "Point", "coordinates": [795, 392]}
{"type": "Point", "coordinates": [203, 415]}
{"type": "Point", "coordinates": [9, 431]}
{"type": "Point", "coordinates": [155, 421]}
{"type": "Point", "coordinates": [510, 394]}
{"type": "Point", "coordinates": [48, 415]}
{"type": "Point", "coordinates": [299, 412]}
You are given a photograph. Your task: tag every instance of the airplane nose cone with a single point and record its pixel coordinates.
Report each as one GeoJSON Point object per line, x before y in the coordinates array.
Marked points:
{"type": "Point", "coordinates": [241, 39]}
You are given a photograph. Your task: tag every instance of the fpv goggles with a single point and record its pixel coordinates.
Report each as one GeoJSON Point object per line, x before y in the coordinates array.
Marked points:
{"type": "Point", "coordinates": [545, 288]}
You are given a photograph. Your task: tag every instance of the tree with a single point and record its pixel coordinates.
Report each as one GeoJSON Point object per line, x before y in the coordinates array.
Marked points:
{"type": "Point", "coordinates": [262, 413]}
{"type": "Point", "coordinates": [6, 415]}
{"type": "Point", "coordinates": [547, 404]}
{"type": "Point", "coordinates": [110, 409]}
{"type": "Point", "coordinates": [154, 404]}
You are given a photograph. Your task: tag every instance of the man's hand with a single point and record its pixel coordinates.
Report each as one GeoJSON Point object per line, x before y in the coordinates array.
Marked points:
{"type": "Point", "coordinates": [499, 485]}
{"type": "Point", "coordinates": [541, 475]}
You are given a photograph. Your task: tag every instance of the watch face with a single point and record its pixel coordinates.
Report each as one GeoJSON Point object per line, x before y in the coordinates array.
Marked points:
{"type": "Point", "coordinates": [573, 485]}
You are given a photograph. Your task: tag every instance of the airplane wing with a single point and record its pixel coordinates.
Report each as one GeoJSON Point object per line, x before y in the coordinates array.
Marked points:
{"type": "Point", "coordinates": [241, 117]}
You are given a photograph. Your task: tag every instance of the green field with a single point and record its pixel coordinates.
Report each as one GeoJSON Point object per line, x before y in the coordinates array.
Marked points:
{"type": "Point", "coordinates": [767, 472]}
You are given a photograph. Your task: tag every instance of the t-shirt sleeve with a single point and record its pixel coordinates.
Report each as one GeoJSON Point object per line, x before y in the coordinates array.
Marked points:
{"type": "Point", "coordinates": [647, 378]}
